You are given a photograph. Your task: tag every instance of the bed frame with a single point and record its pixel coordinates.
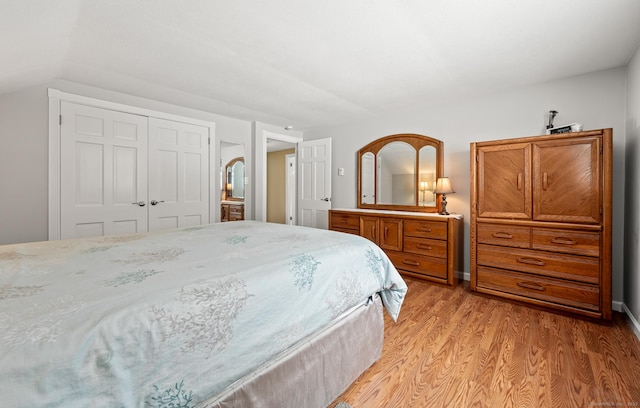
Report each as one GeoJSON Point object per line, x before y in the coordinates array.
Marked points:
{"type": "Point", "coordinates": [318, 369]}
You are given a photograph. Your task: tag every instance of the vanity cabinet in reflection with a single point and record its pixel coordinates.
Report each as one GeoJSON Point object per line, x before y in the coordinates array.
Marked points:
{"type": "Point", "coordinates": [231, 212]}
{"type": "Point", "coordinates": [421, 245]}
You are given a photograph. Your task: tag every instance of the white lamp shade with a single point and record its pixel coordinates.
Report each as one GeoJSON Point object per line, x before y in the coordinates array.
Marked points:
{"type": "Point", "coordinates": [443, 186]}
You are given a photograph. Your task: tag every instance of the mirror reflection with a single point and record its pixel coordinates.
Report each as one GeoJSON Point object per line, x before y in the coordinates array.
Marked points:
{"type": "Point", "coordinates": [427, 176]}
{"type": "Point", "coordinates": [399, 172]}
{"type": "Point", "coordinates": [396, 174]}
{"type": "Point", "coordinates": [231, 171]}
{"type": "Point", "coordinates": [234, 179]}
{"type": "Point", "coordinates": [368, 180]}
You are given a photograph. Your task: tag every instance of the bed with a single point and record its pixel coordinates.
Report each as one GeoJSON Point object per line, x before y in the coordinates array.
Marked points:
{"type": "Point", "coordinates": [240, 314]}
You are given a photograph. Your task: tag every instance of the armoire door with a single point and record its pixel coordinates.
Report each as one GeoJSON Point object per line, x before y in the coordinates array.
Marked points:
{"type": "Point", "coordinates": [504, 182]}
{"type": "Point", "coordinates": [103, 172]}
{"type": "Point", "coordinates": [567, 183]}
{"type": "Point", "coordinates": [178, 174]}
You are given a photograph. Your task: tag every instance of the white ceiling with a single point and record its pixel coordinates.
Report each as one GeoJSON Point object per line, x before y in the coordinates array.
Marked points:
{"type": "Point", "coordinates": [308, 63]}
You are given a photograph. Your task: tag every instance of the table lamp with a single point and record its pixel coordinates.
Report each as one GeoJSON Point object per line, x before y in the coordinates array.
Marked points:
{"type": "Point", "coordinates": [443, 186]}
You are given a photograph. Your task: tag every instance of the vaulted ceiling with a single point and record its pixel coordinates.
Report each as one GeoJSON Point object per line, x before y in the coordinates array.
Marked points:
{"type": "Point", "coordinates": [308, 63]}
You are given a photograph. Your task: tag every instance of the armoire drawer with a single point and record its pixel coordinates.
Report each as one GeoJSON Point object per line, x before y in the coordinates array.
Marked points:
{"type": "Point", "coordinates": [425, 229]}
{"type": "Point", "coordinates": [572, 294]}
{"type": "Point", "coordinates": [341, 221]}
{"type": "Point", "coordinates": [424, 265]}
{"type": "Point", "coordinates": [505, 235]}
{"type": "Point", "coordinates": [577, 268]}
{"type": "Point", "coordinates": [423, 246]}
{"type": "Point", "coordinates": [568, 241]}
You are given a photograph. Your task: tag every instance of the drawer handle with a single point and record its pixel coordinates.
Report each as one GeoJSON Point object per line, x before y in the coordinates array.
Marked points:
{"type": "Point", "coordinates": [531, 285]}
{"type": "Point", "coordinates": [563, 241]}
{"type": "Point", "coordinates": [426, 229]}
{"type": "Point", "coordinates": [504, 235]}
{"type": "Point", "coordinates": [386, 233]}
{"type": "Point", "coordinates": [530, 261]}
{"type": "Point", "coordinates": [410, 262]}
{"type": "Point", "coordinates": [519, 182]}
{"type": "Point", "coordinates": [545, 181]}
{"type": "Point", "coordinates": [423, 246]}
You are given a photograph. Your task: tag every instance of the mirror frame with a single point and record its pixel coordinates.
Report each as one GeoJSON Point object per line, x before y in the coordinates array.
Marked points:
{"type": "Point", "coordinates": [417, 142]}
{"type": "Point", "coordinates": [226, 171]}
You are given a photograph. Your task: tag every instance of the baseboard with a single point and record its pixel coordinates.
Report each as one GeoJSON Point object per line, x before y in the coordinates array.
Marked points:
{"type": "Point", "coordinates": [463, 275]}
{"type": "Point", "coordinates": [635, 325]}
{"type": "Point", "coordinates": [617, 306]}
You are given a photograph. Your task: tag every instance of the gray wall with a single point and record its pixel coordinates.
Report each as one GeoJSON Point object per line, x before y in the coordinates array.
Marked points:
{"type": "Point", "coordinates": [632, 192]}
{"type": "Point", "coordinates": [598, 100]}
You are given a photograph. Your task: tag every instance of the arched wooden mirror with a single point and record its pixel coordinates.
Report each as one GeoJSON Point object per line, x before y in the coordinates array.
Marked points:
{"type": "Point", "coordinates": [399, 172]}
{"type": "Point", "coordinates": [234, 175]}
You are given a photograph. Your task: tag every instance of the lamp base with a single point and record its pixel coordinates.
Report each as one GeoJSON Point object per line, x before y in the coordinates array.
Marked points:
{"type": "Point", "coordinates": [444, 206]}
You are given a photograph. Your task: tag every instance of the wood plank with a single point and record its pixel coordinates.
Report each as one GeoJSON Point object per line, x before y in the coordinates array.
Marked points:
{"type": "Point", "coordinates": [454, 348]}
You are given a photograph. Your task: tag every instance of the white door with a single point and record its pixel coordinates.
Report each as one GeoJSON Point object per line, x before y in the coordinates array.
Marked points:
{"type": "Point", "coordinates": [314, 183]}
{"type": "Point", "coordinates": [178, 174]}
{"type": "Point", "coordinates": [103, 172]}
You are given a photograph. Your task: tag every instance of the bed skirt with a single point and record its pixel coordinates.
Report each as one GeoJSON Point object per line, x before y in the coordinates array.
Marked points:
{"type": "Point", "coordinates": [316, 371]}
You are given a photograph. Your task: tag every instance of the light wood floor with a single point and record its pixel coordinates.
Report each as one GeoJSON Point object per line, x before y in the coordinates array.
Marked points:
{"type": "Point", "coordinates": [453, 348]}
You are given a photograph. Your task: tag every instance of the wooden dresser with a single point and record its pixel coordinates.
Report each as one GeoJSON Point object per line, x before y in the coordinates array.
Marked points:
{"type": "Point", "coordinates": [231, 211]}
{"type": "Point", "coordinates": [421, 245]}
{"type": "Point", "coordinates": [541, 221]}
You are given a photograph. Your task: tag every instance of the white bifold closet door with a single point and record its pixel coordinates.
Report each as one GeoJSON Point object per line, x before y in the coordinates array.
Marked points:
{"type": "Point", "coordinates": [123, 173]}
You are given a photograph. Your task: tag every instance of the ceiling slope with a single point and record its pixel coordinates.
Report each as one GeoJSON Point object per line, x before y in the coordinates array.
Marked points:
{"type": "Point", "coordinates": [310, 63]}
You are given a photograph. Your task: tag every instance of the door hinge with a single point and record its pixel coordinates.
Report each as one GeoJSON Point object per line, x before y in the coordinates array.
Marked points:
{"type": "Point", "coordinates": [209, 140]}
{"type": "Point", "coordinates": [600, 210]}
{"type": "Point", "coordinates": [60, 120]}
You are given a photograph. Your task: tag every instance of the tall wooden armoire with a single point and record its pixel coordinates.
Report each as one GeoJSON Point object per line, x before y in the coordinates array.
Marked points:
{"type": "Point", "coordinates": [541, 221]}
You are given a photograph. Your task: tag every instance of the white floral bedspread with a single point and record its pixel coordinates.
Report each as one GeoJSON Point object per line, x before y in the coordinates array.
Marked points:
{"type": "Point", "coordinates": [171, 318]}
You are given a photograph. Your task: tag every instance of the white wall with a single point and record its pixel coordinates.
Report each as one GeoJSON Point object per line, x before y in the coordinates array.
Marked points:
{"type": "Point", "coordinates": [597, 100]}
{"type": "Point", "coordinates": [24, 152]}
{"type": "Point", "coordinates": [23, 166]}
{"type": "Point", "coordinates": [632, 192]}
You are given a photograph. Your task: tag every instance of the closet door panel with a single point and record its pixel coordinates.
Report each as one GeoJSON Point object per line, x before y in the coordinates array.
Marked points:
{"type": "Point", "coordinates": [178, 174]}
{"type": "Point", "coordinates": [103, 172]}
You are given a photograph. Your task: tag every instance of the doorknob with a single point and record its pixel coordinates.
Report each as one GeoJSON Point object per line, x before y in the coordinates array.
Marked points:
{"type": "Point", "coordinates": [325, 199]}
{"type": "Point", "coordinates": [140, 203]}
{"type": "Point", "coordinates": [154, 202]}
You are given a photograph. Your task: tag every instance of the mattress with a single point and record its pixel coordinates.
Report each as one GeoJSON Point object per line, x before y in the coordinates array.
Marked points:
{"type": "Point", "coordinates": [173, 317]}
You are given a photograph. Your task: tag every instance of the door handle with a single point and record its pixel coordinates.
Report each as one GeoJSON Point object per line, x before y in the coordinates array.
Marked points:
{"type": "Point", "coordinates": [154, 202]}
{"type": "Point", "coordinates": [140, 203]}
{"type": "Point", "coordinates": [326, 199]}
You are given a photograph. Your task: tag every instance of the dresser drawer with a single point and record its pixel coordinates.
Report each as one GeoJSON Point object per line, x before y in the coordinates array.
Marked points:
{"type": "Point", "coordinates": [572, 294]}
{"type": "Point", "coordinates": [578, 268]}
{"type": "Point", "coordinates": [424, 265]}
{"type": "Point", "coordinates": [342, 221]}
{"type": "Point", "coordinates": [568, 241]}
{"type": "Point", "coordinates": [425, 229]}
{"type": "Point", "coordinates": [423, 246]}
{"type": "Point", "coordinates": [505, 235]}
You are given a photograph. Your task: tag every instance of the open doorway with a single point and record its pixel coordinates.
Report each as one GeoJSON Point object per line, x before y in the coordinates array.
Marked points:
{"type": "Point", "coordinates": [280, 192]}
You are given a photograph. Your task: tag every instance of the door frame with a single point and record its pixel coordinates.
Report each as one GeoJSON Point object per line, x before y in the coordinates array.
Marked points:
{"type": "Point", "coordinates": [262, 132]}
{"type": "Point", "coordinates": [55, 98]}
